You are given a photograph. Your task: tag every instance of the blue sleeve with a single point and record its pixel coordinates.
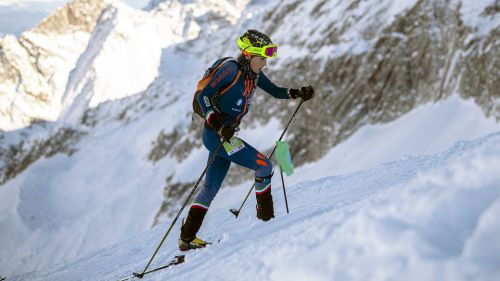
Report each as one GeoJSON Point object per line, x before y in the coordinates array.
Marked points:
{"type": "Point", "coordinates": [224, 75]}
{"type": "Point", "coordinates": [269, 87]}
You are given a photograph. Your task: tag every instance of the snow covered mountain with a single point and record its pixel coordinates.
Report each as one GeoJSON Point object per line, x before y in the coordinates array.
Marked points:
{"type": "Point", "coordinates": [116, 85]}
{"type": "Point", "coordinates": [35, 68]}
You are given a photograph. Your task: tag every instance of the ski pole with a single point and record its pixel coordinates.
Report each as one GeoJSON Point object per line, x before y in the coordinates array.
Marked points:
{"type": "Point", "coordinates": [284, 191]}
{"type": "Point", "coordinates": [140, 275]}
{"type": "Point", "coordinates": [236, 212]}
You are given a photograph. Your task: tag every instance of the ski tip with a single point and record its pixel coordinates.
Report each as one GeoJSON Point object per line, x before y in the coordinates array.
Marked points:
{"type": "Point", "coordinates": [235, 212]}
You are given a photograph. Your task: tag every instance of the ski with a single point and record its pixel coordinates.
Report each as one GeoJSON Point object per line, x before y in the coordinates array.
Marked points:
{"type": "Point", "coordinates": [177, 260]}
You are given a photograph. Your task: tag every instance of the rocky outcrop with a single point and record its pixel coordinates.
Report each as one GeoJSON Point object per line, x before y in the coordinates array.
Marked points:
{"type": "Point", "coordinates": [424, 55]}
{"type": "Point", "coordinates": [17, 157]}
{"type": "Point", "coordinates": [77, 15]}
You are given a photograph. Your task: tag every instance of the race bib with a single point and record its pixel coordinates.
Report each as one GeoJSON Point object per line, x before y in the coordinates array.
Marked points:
{"type": "Point", "coordinates": [234, 145]}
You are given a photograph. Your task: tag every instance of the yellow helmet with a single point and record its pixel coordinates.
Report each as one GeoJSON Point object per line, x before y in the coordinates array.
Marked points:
{"type": "Point", "coordinates": [257, 44]}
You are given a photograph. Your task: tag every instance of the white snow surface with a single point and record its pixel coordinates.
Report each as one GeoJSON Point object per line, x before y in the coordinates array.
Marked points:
{"type": "Point", "coordinates": [60, 209]}
{"type": "Point", "coordinates": [427, 129]}
{"type": "Point", "coordinates": [428, 217]}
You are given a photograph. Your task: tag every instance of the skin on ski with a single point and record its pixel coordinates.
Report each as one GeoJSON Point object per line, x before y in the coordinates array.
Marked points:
{"type": "Point", "coordinates": [176, 260]}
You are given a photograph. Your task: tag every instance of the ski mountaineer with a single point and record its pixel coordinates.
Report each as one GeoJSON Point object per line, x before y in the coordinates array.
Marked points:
{"type": "Point", "coordinates": [222, 119]}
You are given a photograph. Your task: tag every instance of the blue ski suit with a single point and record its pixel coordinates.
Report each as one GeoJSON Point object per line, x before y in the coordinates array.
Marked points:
{"type": "Point", "coordinates": [233, 104]}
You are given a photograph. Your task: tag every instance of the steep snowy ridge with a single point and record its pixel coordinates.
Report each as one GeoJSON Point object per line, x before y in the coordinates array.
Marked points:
{"type": "Point", "coordinates": [429, 217]}
{"type": "Point", "coordinates": [125, 51]}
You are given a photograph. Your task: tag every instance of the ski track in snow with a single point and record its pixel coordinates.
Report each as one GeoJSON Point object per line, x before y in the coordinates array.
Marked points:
{"type": "Point", "coordinates": [430, 217]}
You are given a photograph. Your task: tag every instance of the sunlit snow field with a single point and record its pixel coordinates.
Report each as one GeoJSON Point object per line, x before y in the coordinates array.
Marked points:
{"type": "Point", "coordinates": [429, 212]}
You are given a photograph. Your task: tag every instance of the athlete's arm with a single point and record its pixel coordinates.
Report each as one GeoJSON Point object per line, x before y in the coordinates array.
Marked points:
{"type": "Point", "coordinates": [269, 87]}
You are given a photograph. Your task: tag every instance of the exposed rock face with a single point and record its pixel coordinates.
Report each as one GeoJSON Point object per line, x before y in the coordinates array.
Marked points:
{"type": "Point", "coordinates": [24, 91]}
{"type": "Point", "coordinates": [16, 158]}
{"type": "Point", "coordinates": [77, 15]}
{"type": "Point", "coordinates": [424, 55]}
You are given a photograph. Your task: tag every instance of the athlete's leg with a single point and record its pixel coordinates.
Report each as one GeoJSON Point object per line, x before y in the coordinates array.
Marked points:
{"type": "Point", "coordinates": [213, 180]}
{"type": "Point", "coordinates": [247, 156]}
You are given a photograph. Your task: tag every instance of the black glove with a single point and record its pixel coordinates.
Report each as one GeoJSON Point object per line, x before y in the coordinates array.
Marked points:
{"type": "Point", "coordinates": [306, 93]}
{"type": "Point", "coordinates": [226, 132]}
{"type": "Point", "coordinates": [215, 120]}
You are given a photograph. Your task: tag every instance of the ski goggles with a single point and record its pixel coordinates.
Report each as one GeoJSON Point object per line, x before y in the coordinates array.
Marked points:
{"type": "Point", "coordinates": [269, 51]}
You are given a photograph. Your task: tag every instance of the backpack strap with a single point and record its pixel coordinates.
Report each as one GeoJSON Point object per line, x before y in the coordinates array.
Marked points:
{"type": "Point", "coordinates": [231, 84]}
{"type": "Point", "coordinates": [228, 86]}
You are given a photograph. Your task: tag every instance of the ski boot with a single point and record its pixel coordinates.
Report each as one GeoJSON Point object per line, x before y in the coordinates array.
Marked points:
{"type": "Point", "coordinates": [196, 243]}
{"type": "Point", "coordinates": [265, 207]}
{"type": "Point", "coordinates": [189, 228]}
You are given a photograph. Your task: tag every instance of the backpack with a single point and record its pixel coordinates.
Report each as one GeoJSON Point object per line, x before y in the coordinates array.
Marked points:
{"type": "Point", "coordinates": [209, 73]}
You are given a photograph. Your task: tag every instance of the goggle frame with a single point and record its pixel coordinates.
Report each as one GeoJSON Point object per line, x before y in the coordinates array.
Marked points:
{"type": "Point", "coordinates": [262, 51]}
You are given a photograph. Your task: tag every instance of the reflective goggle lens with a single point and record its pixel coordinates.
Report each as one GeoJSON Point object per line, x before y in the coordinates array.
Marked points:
{"type": "Point", "coordinates": [270, 51]}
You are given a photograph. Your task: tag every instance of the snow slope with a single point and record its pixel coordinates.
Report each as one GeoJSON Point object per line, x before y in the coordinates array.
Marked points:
{"type": "Point", "coordinates": [427, 129]}
{"type": "Point", "coordinates": [112, 180]}
{"type": "Point", "coordinates": [428, 217]}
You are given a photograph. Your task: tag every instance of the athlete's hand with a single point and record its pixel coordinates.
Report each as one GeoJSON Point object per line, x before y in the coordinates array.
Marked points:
{"type": "Point", "coordinates": [215, 120]}
{"type": "Point", "coordinates": [226, 132]}
{"type": "Point", "coordinates": [306, 93]}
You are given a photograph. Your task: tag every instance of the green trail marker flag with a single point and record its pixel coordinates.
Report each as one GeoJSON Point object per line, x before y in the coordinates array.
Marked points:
{"type": "Point", "coordinates": [284, 157]}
